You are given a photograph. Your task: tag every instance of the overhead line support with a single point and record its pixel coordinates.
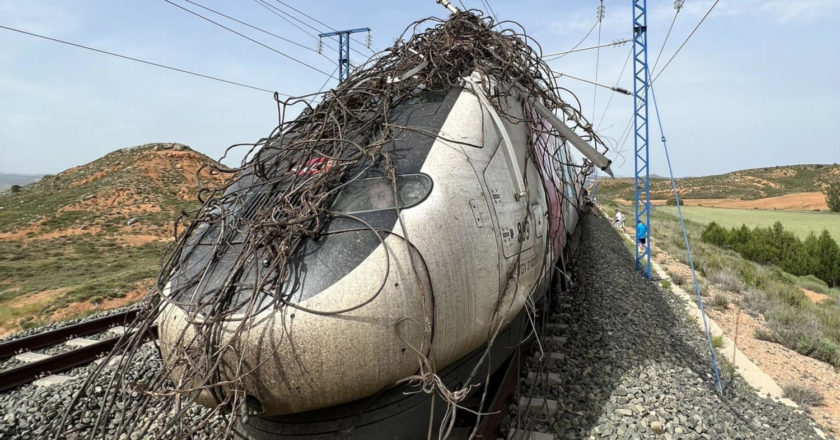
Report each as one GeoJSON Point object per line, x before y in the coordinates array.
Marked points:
{"type": "Point", "coordinates": [343, 49]}
{"type": "Point", "coordinates": [641, 176]}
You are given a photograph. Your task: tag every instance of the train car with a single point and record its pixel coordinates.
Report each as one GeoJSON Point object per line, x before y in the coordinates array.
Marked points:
{"type": "Point", "coordinates": [419, 282]}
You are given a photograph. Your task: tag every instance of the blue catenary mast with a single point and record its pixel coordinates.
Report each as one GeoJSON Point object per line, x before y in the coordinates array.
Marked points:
{"type": "Point", "coordinates": [641, 176]}
{"type": "Point", "coordinates": [343, 50]}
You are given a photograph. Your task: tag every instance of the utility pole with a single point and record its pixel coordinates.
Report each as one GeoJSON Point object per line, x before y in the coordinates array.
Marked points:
{"type": "Point", "coordinates": [344, 49]}
{"type": "Point", "coordinates": [641, 176]}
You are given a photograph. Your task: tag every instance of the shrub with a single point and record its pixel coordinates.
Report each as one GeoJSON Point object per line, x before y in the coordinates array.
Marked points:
{"type": "Point", "coordinates": [677, 279]}
{"type": "Point", "coordinates": [803, 395]}
{"type": "Point", "coordinates": [714, 234]}
{"type": "Point", "coordinates": [15, 188]}
{"type": "Point", "coordinates": [673, 202]}
{"type": "Point", "coordinates": [665, 284]}
{"type": "Point", "coordinates": [717, 341]}
{"type": "Point", "coordinates": [727, 280]}
{"type": "Point", "coordinates": [832, 195]}
{"type": "Point", "coordinates": [719, 302]}
{"type": "Point", "coordinates": [763, 334]}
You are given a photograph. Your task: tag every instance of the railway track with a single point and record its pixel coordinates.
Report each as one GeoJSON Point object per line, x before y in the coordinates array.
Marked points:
{"type": "Point", "coordinates": [520, 412]}
{"type": "Point", "coordinates": [84, 350]}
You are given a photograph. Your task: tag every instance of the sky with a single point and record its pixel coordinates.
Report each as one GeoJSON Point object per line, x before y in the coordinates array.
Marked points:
{"type": "Point", "coordinates": [757, 85]}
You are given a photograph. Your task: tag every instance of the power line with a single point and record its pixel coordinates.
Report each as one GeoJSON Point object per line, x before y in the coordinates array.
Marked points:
{"type": "Point", "coordinates": [612, 94]}
{"type": "Point", "coordinates": [321, 23]}
{"type": "Point", "coordinates": [150, 63]}
{"type": "Point", "coordinates": [254, 27]}
{"type": "Point", "coordinates": [615, 89]}
{"type": "Point", "coordinates": [299, 20]}
{"type": "Point", "coordinates": [492, 12]}
{"type": "Point", "coordinates": [686, 41]}
{"type": "Point", "coordinates": [248, 38]}
{"type": "Point", "coordinates": [678, 4]}
{"type": "Point", "coordinates": [597, 58]}
{"type": "Point", "coordinates": [562, 54]}
{"type": "Point", "coordinates": [615, 43]}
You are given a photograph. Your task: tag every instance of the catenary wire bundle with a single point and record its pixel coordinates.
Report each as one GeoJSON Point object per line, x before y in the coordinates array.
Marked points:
{"type": "Point", "coordinates": [281, 197]}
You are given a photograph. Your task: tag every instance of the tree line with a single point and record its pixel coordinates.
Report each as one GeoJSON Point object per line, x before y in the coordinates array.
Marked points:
{"type": "Point", "coordinates": [816, 255]}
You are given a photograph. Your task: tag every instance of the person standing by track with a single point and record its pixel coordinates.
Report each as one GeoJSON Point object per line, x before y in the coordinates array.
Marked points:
{"type": "Point", "coordinates": [641, 235]}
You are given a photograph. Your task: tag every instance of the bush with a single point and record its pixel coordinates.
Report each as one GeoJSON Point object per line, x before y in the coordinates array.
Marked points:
{"type": "Point", "coordinates": [719, 302]}
{"type": "Point", "coordinates": [803, 395]}
{"type": "Point", "coordinates": [727, 280]}
{"type": "Point", "coordinates": [714, 234]}
{"type": "Point", "coordinates": [832, 195]}
{"type": "Point", "coordinates": [763, 334]}
{"type": "Point", "coordinates": [717, 341]}
{"type": "Point", "coordinates": [677, 279]}
{"type": "Point", "coordinates": [665, 284]}
{"type": "Point", "coordinates": [817, 256]}
{"type": "Point", "coordinates": [15, 188]}
{"type": "Point", "coordinates": [673, 202]}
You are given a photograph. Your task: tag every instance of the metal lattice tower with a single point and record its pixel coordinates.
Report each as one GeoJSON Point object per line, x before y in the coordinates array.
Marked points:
{"type": "Point", "coordinates": [641, 177]}
{"type": "Point", "coordinates": [344, 49]}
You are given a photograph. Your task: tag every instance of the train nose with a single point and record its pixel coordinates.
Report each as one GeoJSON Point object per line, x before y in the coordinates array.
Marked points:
{"type": "Point", "coordinates": [298, 320]}
{"type": "Point", "coordinates": [364, 213]}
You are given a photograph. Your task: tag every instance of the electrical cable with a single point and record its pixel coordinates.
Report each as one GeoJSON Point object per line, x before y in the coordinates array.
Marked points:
{"type": "Point", "coordinates": [597, 57]}
{"type": "Point", "coordinates": [323, 24]}
{"type": "Point", "coordinates": [283, 14]}
{"type": "Point", "coordinates": [562, 54]}
{"type": "Point", "coordinates": [615, 43]}
{"type": "Point", "coordinates": [615, 89]}
{"type": "Point", "coordinates": [687, 247]}
{"type": "Point", "coordinates": [490, 8]}
{"type": "Point", "coordinates": [150, 63]}
{"type": "Point", "coordinates": [620, 74]}
{"type": "Point", "coordinates": [256, 28]}
{"type": "Point", "coordinates": [678, 7]}
{"type": "Point", "coordinates": [247, 38]}
{"type": "Point", "coordinates": [684, 42]}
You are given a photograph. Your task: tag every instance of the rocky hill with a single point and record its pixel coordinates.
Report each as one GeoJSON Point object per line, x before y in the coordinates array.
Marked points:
{"type": "Point", "coordinates": [91, 237]}
{"type": "Point", "coordinates": [800, 183]}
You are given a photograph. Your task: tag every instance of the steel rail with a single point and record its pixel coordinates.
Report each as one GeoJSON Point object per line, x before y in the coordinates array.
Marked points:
{"type": "Point", "coordinates": [59, 335]}
{"type": "Point", "coordinates": [24, 374]}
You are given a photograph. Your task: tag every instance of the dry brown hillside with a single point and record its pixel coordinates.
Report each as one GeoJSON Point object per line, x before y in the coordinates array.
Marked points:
{"type": "Point", "coordinates": [794, 187]}
{"type": "Point", "coordinates": [91, 237]}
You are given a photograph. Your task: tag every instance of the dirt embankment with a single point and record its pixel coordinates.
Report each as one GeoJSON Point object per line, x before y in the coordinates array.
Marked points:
{"type": "Point", "coordinates": [805, 201]}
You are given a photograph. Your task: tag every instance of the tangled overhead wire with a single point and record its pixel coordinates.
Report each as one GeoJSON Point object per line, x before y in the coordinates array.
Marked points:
{"type": "Point", "coordinates": [236, 257]}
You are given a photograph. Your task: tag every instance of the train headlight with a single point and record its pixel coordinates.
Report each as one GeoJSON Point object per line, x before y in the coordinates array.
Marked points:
{"type": "Point", "coordinates": [377, 194]}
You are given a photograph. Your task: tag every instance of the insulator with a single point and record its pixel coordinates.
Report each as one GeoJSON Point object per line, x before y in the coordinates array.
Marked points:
{"type": "Point", "coordinates": [678, 4]}
{"type": "Point", "coordinates": [320, 45]}
{"type": "Point", "coordinates": [368, 40]}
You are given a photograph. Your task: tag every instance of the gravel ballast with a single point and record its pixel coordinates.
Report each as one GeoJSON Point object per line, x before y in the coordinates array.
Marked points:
{"type": "Point", "coordinates": [635, 366]}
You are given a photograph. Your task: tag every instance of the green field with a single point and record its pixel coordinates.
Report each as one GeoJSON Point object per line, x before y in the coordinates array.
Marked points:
{"type": "Point", "coordinates": [800, 223]}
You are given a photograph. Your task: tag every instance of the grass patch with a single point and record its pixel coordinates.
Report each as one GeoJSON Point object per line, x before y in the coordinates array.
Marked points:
{"type": "Point", "coordinates": [665, 284]}
{"type": "Point", "coordinates": [717, 341]}
{"type": "Point", "coordinates": [85, 267]}
{"type": "Point", "coordinates": [804, 396]}
{"type": "Point", "coordinates": [800, 223]}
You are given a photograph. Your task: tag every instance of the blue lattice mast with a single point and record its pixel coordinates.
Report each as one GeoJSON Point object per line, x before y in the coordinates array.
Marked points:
{"type": "Point", "coordinates": [641, 177]}
{"type": "Point", "coordinates": [344, 49]}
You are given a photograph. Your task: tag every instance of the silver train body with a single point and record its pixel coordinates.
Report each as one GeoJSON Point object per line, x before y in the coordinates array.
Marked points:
{"type": "Point", "coordinates": [483, 220]}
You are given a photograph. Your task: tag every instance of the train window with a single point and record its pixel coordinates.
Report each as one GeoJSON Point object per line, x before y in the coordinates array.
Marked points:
{"type": "Point", "coordinates": [377, 194]}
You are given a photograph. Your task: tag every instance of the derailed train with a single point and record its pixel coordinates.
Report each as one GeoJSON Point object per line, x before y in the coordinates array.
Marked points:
{"type": "Point", "coordinates": [425, 276]}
